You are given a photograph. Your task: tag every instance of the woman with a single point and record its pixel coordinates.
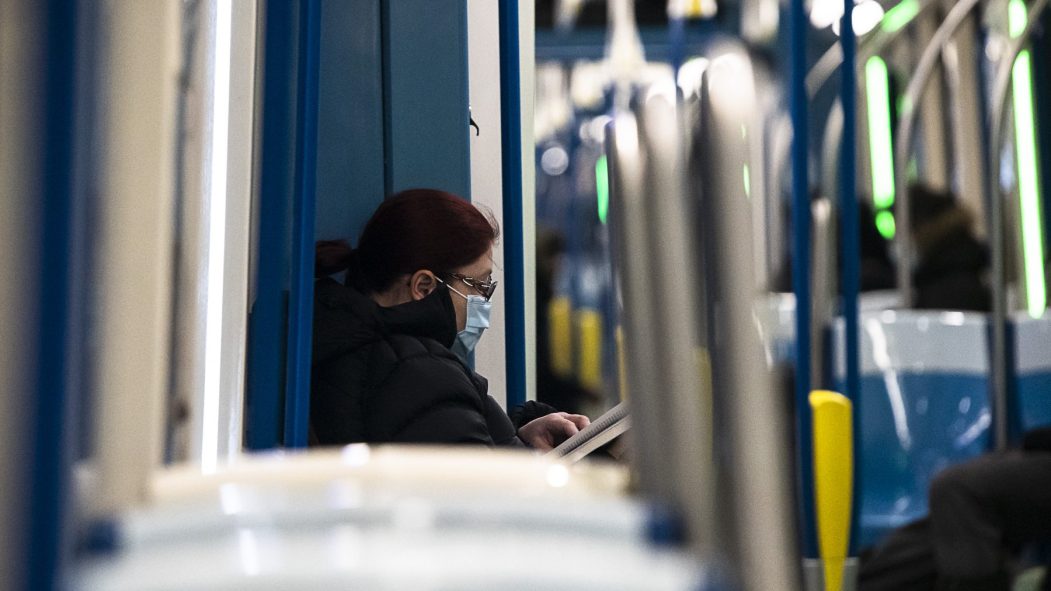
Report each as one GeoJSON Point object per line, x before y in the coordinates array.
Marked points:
{"type": "Point", "coordinates": [390, 347]}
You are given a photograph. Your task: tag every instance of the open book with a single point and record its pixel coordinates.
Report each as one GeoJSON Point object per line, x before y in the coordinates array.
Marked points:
{"type": "Point", "coordinates": [600, 432]}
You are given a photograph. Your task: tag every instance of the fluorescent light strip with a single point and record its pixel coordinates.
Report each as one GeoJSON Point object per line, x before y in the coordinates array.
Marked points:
{"type": "Point", "coordinates": [1028, 172]}
{"type": "Point", "coordinates": [881, 155]}
{"type": "Point", "coordinates": [602, 187]}
{"type": "Point", "coordinates": [216, 236]}
{"type": "Point", "coordinates": [1029, 186]}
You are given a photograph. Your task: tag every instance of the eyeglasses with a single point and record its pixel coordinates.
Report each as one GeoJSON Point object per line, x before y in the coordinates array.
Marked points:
{"type": "Point", "coordinates": [486, 288]}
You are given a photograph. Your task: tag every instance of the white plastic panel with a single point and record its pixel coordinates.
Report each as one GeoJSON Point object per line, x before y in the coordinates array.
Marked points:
{"type": "Point", "coordinates": [391, 518]}
{"type": "Point", "coordinates": [918, 341]}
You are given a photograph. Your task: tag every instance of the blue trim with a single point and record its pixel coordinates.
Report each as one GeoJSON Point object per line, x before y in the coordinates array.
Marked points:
{"type": "Point", "coordinates": [266, 334]}
{"type": "Point", "coordinates": [511, 157]}
{"type": "Point", "coordinates": [851, 248]}
{"type": "Point", "coordinates": [797, 26]}
{"type": "Point", "coordinates": [51, 459]}
{"type": "Point", "coordinates": [301, 299]}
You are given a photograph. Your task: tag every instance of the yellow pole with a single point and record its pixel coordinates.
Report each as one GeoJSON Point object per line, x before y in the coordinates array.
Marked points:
{"type": "Point", "coordinates": [833, 480]}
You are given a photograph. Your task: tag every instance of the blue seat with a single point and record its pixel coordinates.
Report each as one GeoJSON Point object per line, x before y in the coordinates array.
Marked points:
{"type": "Point", "coordinates": [924, 405]}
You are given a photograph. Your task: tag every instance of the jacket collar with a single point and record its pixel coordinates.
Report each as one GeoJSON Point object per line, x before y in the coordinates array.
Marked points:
{"type": "Point", "coordinates": [345, 319]}
{"type": "Point", "coordinates": [432, 317]}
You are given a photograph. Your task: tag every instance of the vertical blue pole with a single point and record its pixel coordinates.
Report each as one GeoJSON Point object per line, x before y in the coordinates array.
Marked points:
{"type": "Point", "coordinates": [848, 222]}
{"type": "Point", "coordinates": [797, 23]}
{"type": "Point", "coordinates": [51, 454]}
{"type": "Point", "coordinates": [266, 334]}
{"type": "Point", "coordinates": [301, 304]}
{"type": "Point", "coordinates": [511, 155]}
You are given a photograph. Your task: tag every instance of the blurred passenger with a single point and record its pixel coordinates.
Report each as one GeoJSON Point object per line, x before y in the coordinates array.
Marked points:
{"type": "Point", "coordinates": [951, 262]}
{"type": "Point", "coordinates": [391, 347]}
{"type": "Point", "coordinates": [982, 512]}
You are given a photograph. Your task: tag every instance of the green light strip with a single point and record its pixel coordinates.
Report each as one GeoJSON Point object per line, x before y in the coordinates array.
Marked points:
{"type": "Point", "coordinates": [881, 154]}
{"type": "Point", "coordinates": [900, 15]}
{"type": "Point", "coordinates": [1028, 173]}
{"type": "Point", "coordinates": [747, 182]}
{"type": "Point", "coordinates": [602, 187]}
{"type": "Point", "coordinates": [1029, 186]}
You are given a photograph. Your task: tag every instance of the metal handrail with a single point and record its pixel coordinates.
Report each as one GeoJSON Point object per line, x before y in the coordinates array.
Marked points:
{"type": "Point", "coordinates": [996, 231]}
{"type": "Point", "coordinates": [903, 143]}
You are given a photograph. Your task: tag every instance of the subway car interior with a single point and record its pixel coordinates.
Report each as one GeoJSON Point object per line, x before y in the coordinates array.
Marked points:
{"type": "Point", "coordinates": [764, 307]}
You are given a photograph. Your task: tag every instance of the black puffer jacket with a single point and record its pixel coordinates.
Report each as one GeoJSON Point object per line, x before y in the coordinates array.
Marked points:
{"type": "Point", "coordinates": [385, 375]}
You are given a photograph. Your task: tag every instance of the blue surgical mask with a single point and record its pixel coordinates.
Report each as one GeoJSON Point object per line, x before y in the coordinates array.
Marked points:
{"type": "Point", "coordinates": [478, 310]}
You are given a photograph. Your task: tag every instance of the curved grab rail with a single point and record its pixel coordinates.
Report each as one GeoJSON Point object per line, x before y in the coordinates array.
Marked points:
{"type": "Point", "coordinates": [829, 62]}
{"type": "Point", "coordinates": [996, 230]}
{"type": "Point", "coordinates": [903, 144]}
{"type": "Point", "coordinates": [827, 65]}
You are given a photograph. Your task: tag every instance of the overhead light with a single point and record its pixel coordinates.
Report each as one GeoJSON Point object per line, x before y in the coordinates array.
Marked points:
{"type": "Point", "coordinates": [825, 12]}
{"type": "Point", "coordinates": [866, 16]}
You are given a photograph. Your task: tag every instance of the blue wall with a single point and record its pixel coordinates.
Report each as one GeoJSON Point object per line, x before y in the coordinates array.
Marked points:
{"type": "Point", "coordinates": [394, 106]}
{"type": "Point", "coordinates": [425, 77]}
{"type": "Point", "coordinates": [350, 131]}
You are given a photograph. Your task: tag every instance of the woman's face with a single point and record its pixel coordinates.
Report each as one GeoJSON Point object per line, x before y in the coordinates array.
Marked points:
{"type": "Point", "coordinates": [480, 269]}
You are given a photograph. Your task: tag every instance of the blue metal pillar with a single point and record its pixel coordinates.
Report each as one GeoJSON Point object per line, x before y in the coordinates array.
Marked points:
{"type": "Point", "coordinates": [849, 232]}
{"type": "Point", "coordinates": [51, 460]}
{"type": "Point", "coordinates": [301, 298]}
{"type": "Point", "coordinates": [267, 326]}
{"type": "Point", "coordinates": [797, 24]}
{"type": "Point", "coordinates": [514, 249]}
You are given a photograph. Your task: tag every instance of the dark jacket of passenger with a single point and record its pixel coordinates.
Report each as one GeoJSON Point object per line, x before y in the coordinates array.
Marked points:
{"type": "Point", "coordinates": [952, 263]}
{"type": "Point", "coordinates": [385, 375]}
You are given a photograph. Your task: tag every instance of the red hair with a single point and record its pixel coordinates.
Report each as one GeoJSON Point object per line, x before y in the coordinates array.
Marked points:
{"type": "Point", "coordinates": [412, 230]}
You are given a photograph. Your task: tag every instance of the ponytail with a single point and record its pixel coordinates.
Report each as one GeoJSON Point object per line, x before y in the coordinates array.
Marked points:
{"type": "Point", "coordinates": [331, 256]}
{"type": "Point", "coordinates": [335, 256]}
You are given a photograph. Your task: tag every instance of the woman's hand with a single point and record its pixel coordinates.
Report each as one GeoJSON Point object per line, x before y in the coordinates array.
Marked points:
{"type": "Point", "coordinates": [546, 432]}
